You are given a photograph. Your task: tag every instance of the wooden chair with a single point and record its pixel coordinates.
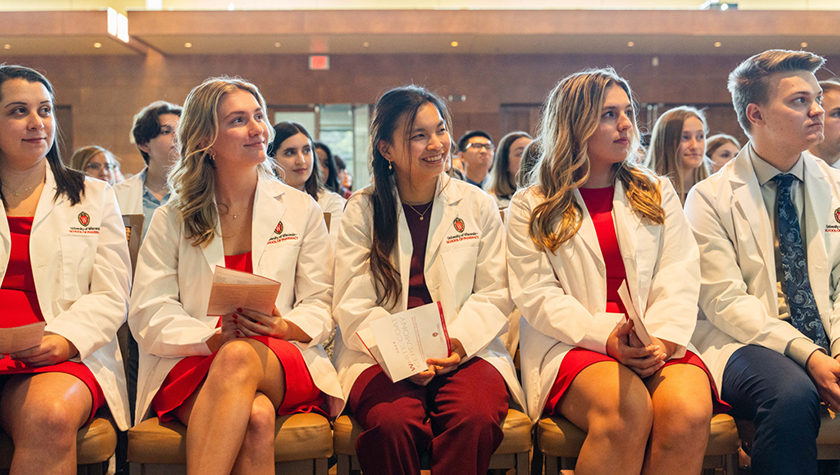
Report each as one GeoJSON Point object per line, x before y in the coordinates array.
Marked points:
{"type": "Point", "coordinates": [302, 445]}
{"type": "Point", "coordinates": [512, 453]}
{"type": "Point", "coordinates": [558, 441]}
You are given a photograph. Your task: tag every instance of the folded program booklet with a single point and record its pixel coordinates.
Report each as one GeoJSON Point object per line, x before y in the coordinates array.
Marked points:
{"type": "Point", "coordinates": [21, 338]}
{"type": "Point", "coordinates": [401, 343]}
{"type": "Point", "coordinates": [234, 289]}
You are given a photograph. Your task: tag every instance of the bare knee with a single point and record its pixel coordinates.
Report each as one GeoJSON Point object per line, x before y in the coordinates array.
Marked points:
{"type": "Point", "coordinates": [237, 362]}
{"type": "Point", "coordinates": [261, 421]}
{"type": "Point", "coordinates": [626, 417]}
{"type": "Point", "coordinates": [50, 424]}
{"type": "Point", "coordinates": [681, 421]}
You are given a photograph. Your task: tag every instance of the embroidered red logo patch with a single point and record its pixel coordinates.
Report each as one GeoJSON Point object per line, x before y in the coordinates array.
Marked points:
{"type": "Point", "coordinates": [837, 215]}
{"type": "Point", "coordinates": [279, 228]}
{"type": "Point", "coordinates": [459, 224]}
{"type": "Point", "coordinates": [84, 219]}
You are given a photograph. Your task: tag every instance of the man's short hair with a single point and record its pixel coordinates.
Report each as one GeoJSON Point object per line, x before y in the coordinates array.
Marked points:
{"type": "Point", "coordinates": [748, 82]}
{"type": "Point", "coordinates": [832, 84]}
{"type": "Point", "coordinates": [462, 142]}
{"type": "Point", "coordinates": [147, 126]}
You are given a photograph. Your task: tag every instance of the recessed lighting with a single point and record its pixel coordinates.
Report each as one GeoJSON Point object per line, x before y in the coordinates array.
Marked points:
{"type": "Point", "coordinates": [97, 45]}
{"type": "Point", "coordinates": [454, 44]}
{"type": "Point", "coordinates": [717, 44]}
{"type": "Point", "coordinates": [187, 45]}
{"type": "Point", "coordinates": [631, 44]}
{"type": "Point", "coordinates": [7, 46]}
{"type": "Point", "coordinates": [803, 44]}
{"type": "Point", "coordinates": [365, 44]}
{"type": "Point", "coordinates": [277, 45]}
{"type": "Point", "coordinates": [724, 7]}
{"type": "Point", "coordinates": [231, 7]}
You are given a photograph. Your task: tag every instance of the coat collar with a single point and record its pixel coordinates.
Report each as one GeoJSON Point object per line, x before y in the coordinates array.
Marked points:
{"type": "Point", "coordinates": [46, 203]}
{"type": "Point", "coordinates": [747, 193]}
{"type": "Point", "coordinates": [444, 211]}
{"type": "Point", "coordinates": [267, 211]}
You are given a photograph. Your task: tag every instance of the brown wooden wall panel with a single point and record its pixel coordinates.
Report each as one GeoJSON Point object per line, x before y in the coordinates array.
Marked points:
{"type": "Point", "coordinates": [105, 92]}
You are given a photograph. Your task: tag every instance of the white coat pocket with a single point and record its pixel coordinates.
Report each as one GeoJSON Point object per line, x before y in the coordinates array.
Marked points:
{"type": "Point", "coordinates": [77, 256]}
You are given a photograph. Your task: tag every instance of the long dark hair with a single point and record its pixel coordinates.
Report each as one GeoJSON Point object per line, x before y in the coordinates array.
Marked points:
{"type": "Point", "coordinates": [331, 183]}
{"type": "Point", "coordinates": [392, 106]}
{"type": "Point", "coordinates": [286, 129]}
{"type": "Point", "coordinates": [69, 183]}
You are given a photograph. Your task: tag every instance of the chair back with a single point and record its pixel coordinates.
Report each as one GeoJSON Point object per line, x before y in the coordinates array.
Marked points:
{"type": "Point", "coordinates": [134, 235]}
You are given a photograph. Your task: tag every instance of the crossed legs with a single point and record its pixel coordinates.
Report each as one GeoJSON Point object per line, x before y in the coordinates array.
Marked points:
{"type": "Point", "coordinates": [230, 418]}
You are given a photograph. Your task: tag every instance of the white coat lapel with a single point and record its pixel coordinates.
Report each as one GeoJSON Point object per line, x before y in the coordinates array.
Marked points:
{"type": "Point", "coordinates": [627, 225]}
{"type": "Point", "coordinates": [444, 212]}
{"type": "Point", "coordinates": [403, 255]}
{"type": "Point", "coordinates": [588, 235]}
{"type": "Point", "coordinates": [45, 202]}
{"type": "Point", "coordinates": [5, 242]}
{"type": "Point", "coordinates": [214, 252]}
{"type": "Point", "coordinates": [268, 213]}
{"type": "Point", "coordinates": [817, 212]}
{"type": "Point", "coordinates": [747, 193]}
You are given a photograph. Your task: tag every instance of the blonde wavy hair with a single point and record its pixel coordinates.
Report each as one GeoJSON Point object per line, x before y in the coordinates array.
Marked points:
{"type": "Point", "coordinates": [663, 154]}
{"type": "Point", "coordinates": [572, 114]}
{"type": "Point", "coordinates": [193, 177]}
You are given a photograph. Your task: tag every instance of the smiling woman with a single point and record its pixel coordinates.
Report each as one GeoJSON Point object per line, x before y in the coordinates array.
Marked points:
{"type": "Point", "coordinates": [400, 246]}
{"type": "Point", "coordinates": [677, 148]}
{"type": "Point", "coordinates": [229, 210]}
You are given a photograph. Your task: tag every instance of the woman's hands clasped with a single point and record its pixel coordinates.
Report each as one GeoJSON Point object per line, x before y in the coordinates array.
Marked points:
{"type": "Point", "coordinates": [624, 346]}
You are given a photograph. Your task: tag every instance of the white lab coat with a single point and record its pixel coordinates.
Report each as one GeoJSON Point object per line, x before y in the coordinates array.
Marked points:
{"type": "Point", "coordinates": [81, 277]}
{"type": "Point", "coordinates": [130, 194]}
{"type": "Point", "coordinates": [467, 276]}
{"type": "Point", "coordinates": [563, 297]}
{"type": "Point", "coordinates": [168, 314]}
{"type": "Point", "coordinates": [738, 293]}
{"type": "Point", "coordinates": [332, 203]}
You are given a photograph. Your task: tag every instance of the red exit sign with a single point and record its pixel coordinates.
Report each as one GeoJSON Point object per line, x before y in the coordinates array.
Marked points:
{"type": "Point", "coordinates": [319, 62]}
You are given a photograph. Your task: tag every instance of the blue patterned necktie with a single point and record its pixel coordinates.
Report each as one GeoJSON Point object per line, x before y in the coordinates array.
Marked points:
{"type": "Point", "coordinates": [804, 315]}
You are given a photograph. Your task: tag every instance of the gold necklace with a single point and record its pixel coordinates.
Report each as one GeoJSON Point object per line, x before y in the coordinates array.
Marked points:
{"type": "Point", "coordinates": [428, 207]}
{"type": "Point", "coordinates": [19, 191]}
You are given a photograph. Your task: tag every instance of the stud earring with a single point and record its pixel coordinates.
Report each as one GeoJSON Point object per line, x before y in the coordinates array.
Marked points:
{"type": "Point", "coordinates": [389, 165]}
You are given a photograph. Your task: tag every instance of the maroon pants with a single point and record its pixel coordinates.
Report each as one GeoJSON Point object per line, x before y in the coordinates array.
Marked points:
{"type": "Point", "coordinates": [456, 415]}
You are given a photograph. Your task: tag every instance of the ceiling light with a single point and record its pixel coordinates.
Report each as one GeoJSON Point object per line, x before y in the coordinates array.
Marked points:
{"type": "Point", "coordinates": [231, 7]}
{"type": "Point", "coordinates": [454, 44]}
{"type": "Point", "coordinates": [187, 45]}
{"type": "Point", "coordinates": [97, 45]}
{"type": "Point", "coordinates": [631, 44]}
{"type": "Point", "coordinates": [277, 45]}
{"type": "Point", "coordinates": [803, 44]}
{"type": "Point", "coordinates": [717, 44]}
{"type": "Point", "coordinates": [7, 46]}
{"type": "Point", "coordinates": [365, 44]}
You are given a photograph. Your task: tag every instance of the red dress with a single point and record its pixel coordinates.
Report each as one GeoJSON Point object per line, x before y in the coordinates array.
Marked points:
{"type": "Point", "coordinates": [301, 393]}
{"type": "Point", "coordinates": [20, 307]}
{"type": "Point", "coordinates": [599, 203]}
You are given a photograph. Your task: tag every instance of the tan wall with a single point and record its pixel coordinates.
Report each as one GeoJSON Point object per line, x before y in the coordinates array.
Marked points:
{"type": "Point", "coordinates": [104, 92]}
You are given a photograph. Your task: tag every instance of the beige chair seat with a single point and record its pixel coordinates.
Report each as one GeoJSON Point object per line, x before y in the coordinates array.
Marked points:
{"type": "Point", "coordinates": [95, 444]}
{"type": "Point", "coordinates": [560, 441]}
{"type": "Point", "coordinates": [512, 452]}
{"type": "Point", "coordinates": [302, 444]}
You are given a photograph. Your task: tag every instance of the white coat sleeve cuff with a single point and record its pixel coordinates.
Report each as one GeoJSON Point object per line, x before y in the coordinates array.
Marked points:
{"type": "Point", "coordinates": [800, 349]}
{"type": "Point", "coordinates": [835, 348]}
{"type": "Point", "coordinates": [599, 330]}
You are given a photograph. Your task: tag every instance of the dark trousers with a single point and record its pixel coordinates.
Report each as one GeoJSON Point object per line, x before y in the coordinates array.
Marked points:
{"type": "Point", "coordinates": [456, 415]}
{"type": "Point", "coordinates": [775, 392]}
